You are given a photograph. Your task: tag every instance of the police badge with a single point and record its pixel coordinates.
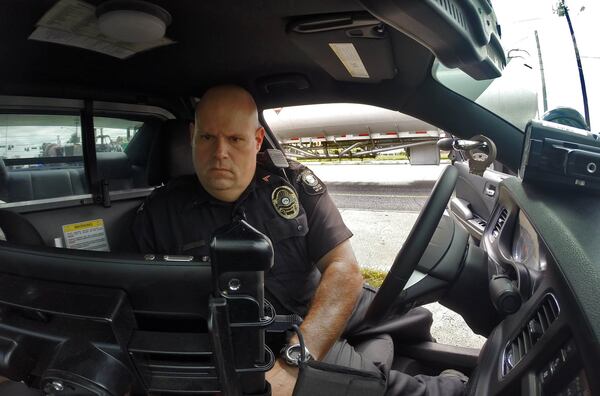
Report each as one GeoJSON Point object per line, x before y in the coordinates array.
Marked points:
{"type": "Point", "coordinates": [285, 202]}
{"type": "Point", "coordinates": [312, 185]}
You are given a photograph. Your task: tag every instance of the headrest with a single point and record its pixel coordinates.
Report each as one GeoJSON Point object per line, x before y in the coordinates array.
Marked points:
{"type": "Point", "coordinates": [113, 165]}
{"type": "Point", "coordinates": [3, 170]}
{"type": "Point", "coordinates": [171, 153]}
{"type": "Point", "coordinates": [17, 229]}
{"type": "Point", "coordinates": [3, 180]}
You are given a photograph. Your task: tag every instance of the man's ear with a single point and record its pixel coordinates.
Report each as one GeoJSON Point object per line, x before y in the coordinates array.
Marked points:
{"type": "Point", "coordinates": [260, 135]}
{"type": "Point", "coordinates": [192, 130]}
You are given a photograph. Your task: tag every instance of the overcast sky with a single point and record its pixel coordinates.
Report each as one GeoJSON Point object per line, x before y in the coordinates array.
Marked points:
{"type": "Point", "coordinates": [519, 19]}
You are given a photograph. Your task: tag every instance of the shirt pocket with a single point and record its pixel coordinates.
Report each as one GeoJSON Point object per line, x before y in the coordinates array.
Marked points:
{"type": "Point", "coordinates": [280, 229]}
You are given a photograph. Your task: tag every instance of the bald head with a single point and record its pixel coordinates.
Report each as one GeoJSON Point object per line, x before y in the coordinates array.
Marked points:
{"type": "Point", "coordinates": [225, 139]}
{"type": "Point", "coordinates": [226, 101]}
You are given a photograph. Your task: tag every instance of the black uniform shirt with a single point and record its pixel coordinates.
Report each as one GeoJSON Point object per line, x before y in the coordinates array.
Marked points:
{"type": "Point", "coordinates": [300, 219]}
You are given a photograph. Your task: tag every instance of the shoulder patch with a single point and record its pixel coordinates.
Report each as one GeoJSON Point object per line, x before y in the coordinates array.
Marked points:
{"type": "Point", "coordinates": [285, 202]}
{"type": "Point", "coordinates": [311, 184]}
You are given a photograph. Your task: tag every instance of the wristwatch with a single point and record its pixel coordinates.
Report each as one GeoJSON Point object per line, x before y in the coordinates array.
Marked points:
{"type": "Point", "coordinates": [291, 354]}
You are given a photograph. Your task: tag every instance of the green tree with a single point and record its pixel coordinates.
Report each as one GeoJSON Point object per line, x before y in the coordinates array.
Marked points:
{"type": "Point", "coordinates": [75, 139]}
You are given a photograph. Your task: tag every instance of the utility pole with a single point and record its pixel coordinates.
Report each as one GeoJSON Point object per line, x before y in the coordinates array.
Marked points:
{"type": "Point", "coordinates": [544, 95]}
{"type": "Point", "coordinates": [563, 10]}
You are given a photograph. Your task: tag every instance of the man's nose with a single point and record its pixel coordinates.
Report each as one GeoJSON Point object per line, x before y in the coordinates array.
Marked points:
{"type": "Point", "coordinates": [221, 148]}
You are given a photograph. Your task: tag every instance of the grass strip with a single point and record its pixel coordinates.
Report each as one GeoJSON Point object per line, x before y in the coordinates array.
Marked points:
{"type": "Point", "coordinates": [373, 277]}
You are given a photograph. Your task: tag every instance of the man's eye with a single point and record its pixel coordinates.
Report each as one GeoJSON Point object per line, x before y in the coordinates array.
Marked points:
{"type": "Point", "coordinates": [235, 139]}
{"type": "Point", "coordinates": [204, 137]}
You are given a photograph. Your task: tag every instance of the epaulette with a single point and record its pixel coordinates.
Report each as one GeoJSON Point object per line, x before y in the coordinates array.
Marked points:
{"type": "Point", "coordinates": [304, 177]}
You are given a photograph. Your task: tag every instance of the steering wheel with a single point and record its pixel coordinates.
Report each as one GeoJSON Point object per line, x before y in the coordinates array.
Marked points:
{"type": "Point", "coordinates": [411, 252]}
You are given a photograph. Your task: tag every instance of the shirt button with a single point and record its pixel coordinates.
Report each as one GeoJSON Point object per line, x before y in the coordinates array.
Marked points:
{"type": "Point", "coordinates": [300, 228]}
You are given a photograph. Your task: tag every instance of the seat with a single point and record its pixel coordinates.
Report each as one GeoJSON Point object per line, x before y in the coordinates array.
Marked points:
{"type": "Point", "coordinates": [10, 388]}
{"type": "Point", "coordinates": [171, 153]}
{"type": "Point", "coordinates": [27, 185]}
{"type": "Point", "coordinates": [117, 169]}
{"type": "Point", "coordinates": [17, 229]}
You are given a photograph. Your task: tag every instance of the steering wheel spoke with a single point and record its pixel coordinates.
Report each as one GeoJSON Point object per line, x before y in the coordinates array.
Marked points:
{"type": "Point", "coordinates": [411, 252]}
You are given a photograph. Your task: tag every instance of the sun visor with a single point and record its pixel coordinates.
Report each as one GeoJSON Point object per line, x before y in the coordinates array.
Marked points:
{"type": "Point", "coordinates": [350, 47]}
{"type": "Point", "coordinates": [462, 34]}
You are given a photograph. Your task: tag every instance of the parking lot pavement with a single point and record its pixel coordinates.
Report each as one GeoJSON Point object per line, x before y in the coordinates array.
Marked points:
{"type": "Point", "coordinates": [378, 235]}
{"type": "Point", "coordinates": [390, 172]}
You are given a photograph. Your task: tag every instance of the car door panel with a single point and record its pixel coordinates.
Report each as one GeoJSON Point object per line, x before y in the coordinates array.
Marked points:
{"type": "Point", "coordinates": [475, 197]}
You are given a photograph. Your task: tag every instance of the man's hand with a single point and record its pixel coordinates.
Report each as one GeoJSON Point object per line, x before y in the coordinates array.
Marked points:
{"type": "Point", "coordinates": [282, 378]}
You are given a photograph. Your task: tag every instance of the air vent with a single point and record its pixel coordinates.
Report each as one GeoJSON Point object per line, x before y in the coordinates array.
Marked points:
{"type": "Point", "coordinates": [453, 10]}
{"type": "Point", "coordinates": [500, 222]}
{"type": "Point", "coordinates": [531, 333]}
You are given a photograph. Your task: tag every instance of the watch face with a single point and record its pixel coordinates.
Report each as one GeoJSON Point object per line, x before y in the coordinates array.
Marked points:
{"type": "Point", "coordinates": [294, 354]}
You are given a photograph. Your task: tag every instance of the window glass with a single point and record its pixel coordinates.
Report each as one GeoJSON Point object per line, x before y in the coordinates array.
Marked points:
{"type": "Point", "coordinates": [40, 157]}
{"type": "Point", "coordinates": [345, 131]}
{"type": "Point", "coordinates": [118, 152]}
{"type": "Point", "coordinates": [114, 134]}
{"type": "Point", "coordinates": [36, 141]}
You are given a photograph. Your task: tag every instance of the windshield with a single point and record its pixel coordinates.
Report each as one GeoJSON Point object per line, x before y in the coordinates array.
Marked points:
{"type": "Point", "coordinates": [542, 72]}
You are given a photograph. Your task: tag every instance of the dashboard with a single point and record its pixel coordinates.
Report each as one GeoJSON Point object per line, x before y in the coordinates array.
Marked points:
{"type": "Point", "coordinates": [526, 245]}
{"type": "Point", "coordinates": [537, 240]}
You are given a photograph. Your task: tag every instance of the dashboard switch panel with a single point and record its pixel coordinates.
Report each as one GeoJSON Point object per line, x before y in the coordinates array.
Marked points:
{"type": "Point", "coordinates": [562, 375]}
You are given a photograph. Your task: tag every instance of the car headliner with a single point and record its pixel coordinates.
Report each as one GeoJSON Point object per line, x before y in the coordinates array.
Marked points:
{"type": "Point", "coordinates": [232, 41]}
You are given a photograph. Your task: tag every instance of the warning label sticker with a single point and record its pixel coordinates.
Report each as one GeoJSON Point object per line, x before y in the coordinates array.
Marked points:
{"type": "Point", "coordinates": [348, 55]}
{"type": "Point", "coordinates": [87, 235]}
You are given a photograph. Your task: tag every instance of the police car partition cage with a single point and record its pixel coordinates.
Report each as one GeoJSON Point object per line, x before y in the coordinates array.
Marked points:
{"type": "Point", "coordinates": [90, 323]}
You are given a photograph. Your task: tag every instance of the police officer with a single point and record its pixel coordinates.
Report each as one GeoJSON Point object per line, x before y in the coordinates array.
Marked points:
{"type": "Point", "coordinates": [314, 261]}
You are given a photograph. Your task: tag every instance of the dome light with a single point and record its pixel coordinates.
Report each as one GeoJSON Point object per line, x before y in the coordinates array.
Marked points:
{"type": "Point", "coordinates": [132, 21]}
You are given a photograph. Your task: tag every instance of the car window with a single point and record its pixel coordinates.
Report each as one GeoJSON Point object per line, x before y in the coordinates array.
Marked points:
{"type": "Point", "coordinates": [114, 134]}
{"type": "Point", "coordinates": [347, 131]}
{"type": "Point", "coordinates": [33, 141]}
{"type": "Point", "coordinates": [40, 157]}
{"type": "Point", "coordinates": [121, 162]}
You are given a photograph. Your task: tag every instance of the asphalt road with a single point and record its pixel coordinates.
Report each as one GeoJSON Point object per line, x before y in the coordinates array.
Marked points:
{"type": "Point", "coordinates": [388, 186]}
{"type": "Point", "coordinates": [380, 203]}
{"type": "Point", "coordinates": [373, 196]}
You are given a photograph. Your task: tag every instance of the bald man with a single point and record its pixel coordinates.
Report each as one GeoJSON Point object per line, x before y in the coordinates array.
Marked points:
{"type": "Point", "coordinates": [315, 273]}
{"type": "Point", "coordinates": [313, 256]}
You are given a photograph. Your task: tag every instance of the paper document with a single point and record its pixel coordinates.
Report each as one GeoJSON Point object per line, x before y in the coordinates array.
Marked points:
{"type": "Point", "coordinates": [74, 23]}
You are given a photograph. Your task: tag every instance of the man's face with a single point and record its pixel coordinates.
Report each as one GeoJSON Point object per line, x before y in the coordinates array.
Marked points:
{"type": "Point", "coordinates": [224, 148]}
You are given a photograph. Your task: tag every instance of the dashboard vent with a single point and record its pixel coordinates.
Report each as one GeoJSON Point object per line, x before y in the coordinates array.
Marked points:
{"type": "Point", "coordinates": [500, 222]}
{"type": "Point", "coordinates": [535, 328]}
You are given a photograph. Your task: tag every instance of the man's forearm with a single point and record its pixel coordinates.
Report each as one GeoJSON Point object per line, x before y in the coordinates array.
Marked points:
{"type": "Point", "coordinates": [332, 305]}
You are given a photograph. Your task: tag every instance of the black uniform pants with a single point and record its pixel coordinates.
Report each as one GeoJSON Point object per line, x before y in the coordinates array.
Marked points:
{"type": "Point", "coordinates": [377, 353]}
